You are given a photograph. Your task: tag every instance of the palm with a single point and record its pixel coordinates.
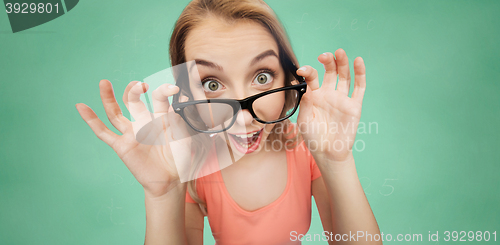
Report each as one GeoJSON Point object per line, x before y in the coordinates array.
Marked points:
{"type": "Point", "coordinates": [146, 153]}
{"type": "Point", "coordinates": [151, 165]}
{"type": "Point", "coordinates": [328, 117]}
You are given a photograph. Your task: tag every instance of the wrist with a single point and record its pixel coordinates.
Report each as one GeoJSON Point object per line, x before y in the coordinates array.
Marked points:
{"type": "Point", "coordinates": [327, 162]}
{"type": "Point", "coordinates": [173, 192]}
{"type": "Point", "coordinates": [333, 157]}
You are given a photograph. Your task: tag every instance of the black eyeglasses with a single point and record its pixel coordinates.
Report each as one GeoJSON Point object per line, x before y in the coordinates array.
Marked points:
{"type": "Point", "coordinates": [218, 115]}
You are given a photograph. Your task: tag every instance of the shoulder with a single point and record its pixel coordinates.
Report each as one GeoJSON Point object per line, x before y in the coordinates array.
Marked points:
{"type": "Point", "coordinates": [303, 158]}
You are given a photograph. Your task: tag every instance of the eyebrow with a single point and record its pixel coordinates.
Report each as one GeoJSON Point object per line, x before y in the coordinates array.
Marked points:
{"type": "Point", "coordinates": [257, 58]}
{"type": "Point", "coordinates": [263, 55]}
{"type": "Point", "coordinates": [208, 64]}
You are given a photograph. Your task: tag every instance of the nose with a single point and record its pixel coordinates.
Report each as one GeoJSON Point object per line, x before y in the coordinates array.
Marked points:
{"type": "Point", "coordinates": [244, 118]}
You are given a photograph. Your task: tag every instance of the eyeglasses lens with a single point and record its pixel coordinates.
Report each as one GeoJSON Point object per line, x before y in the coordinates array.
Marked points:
{"type": "Point", "coordinates": [215, 116]}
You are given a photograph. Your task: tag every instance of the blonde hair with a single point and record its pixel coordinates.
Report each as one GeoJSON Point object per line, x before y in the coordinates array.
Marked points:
{"type": "Point", "coordinates": [231, 11]}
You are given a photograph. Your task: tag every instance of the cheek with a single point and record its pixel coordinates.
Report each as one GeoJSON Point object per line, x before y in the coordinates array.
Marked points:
{"type": "Point", "coordinates": [267, 130]}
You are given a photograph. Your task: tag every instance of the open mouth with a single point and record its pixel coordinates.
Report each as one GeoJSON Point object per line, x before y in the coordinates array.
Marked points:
{"type": "Point", "coordinates": [247, 143]}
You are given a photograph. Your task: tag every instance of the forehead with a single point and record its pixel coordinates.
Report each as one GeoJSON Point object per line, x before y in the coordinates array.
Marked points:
{"type": "Point", "coordinates": [223, 41]}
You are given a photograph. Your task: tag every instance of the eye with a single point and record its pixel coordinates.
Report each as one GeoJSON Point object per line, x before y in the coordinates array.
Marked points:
{"type": "Point", "coordinates": [263, 78]}
{"type": "Point", "coordinates": [211, 86]}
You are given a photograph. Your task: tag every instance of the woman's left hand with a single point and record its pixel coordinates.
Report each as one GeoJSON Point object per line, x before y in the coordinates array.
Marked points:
{"type": "Point", "coordinates": [328, 118]}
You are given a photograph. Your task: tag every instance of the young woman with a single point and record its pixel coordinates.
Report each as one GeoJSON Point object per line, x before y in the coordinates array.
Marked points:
{"type": "Point", "coordinates": [242, 51]}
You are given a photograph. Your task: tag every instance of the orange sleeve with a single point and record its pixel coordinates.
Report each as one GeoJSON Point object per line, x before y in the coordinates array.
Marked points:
{"type": "Point", "coordinates": [199, 190]}
{"type": "Point", "coordinates": [315, 173]}
{"type": "Point", "coordinates": [188, 197]}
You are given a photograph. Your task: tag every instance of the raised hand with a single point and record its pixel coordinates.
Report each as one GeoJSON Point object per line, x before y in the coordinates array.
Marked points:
{"type": "Point", "coordinates": [152, 165]}
{"type": "Point", "coordinates": [328, 118]}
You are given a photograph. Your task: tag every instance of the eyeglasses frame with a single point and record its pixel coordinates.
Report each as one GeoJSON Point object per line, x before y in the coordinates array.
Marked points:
{"type": "Point", "coordinates": [242, 104]}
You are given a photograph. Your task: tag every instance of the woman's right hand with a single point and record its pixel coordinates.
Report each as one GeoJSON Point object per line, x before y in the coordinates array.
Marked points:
{"type": "Point", "coordinates": [152, 165]}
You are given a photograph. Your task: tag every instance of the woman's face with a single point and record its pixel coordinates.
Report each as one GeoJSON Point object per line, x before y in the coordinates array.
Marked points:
{"type": "Point", "coordinates": [236, 61]}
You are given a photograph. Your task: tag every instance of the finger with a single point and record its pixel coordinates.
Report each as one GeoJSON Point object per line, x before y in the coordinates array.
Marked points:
{"type": "Point", "coordinates": [126, 92]}
{"type": "Point", "coordinates": [311, 76]}
{"type": "Point", "coordinates": [132, 99]}
{"type": "Point", "coordinates": [160, 97]}
{"type": "Point", "coordinates": [359, 80]}
{"type": "Point", "coordinates": [343, 69]}
{"type": "Point", "coordinates": [306, 105]}
{"type": "Point", "coordinates": [330, 65]}
{"type": "Point", "coordinates": [111, 107]}
{"type": "Point", "coordinates": [101, 131]}
{"type": "Point", "coordinates": [183, 98]}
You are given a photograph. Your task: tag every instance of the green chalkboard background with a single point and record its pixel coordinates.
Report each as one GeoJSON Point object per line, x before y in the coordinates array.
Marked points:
{"type": "Point", "coordinates": [431, 165]}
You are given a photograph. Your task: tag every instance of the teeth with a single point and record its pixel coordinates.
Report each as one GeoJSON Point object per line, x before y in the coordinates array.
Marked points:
{"type": "Point", "coordinates": [243, 136]}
